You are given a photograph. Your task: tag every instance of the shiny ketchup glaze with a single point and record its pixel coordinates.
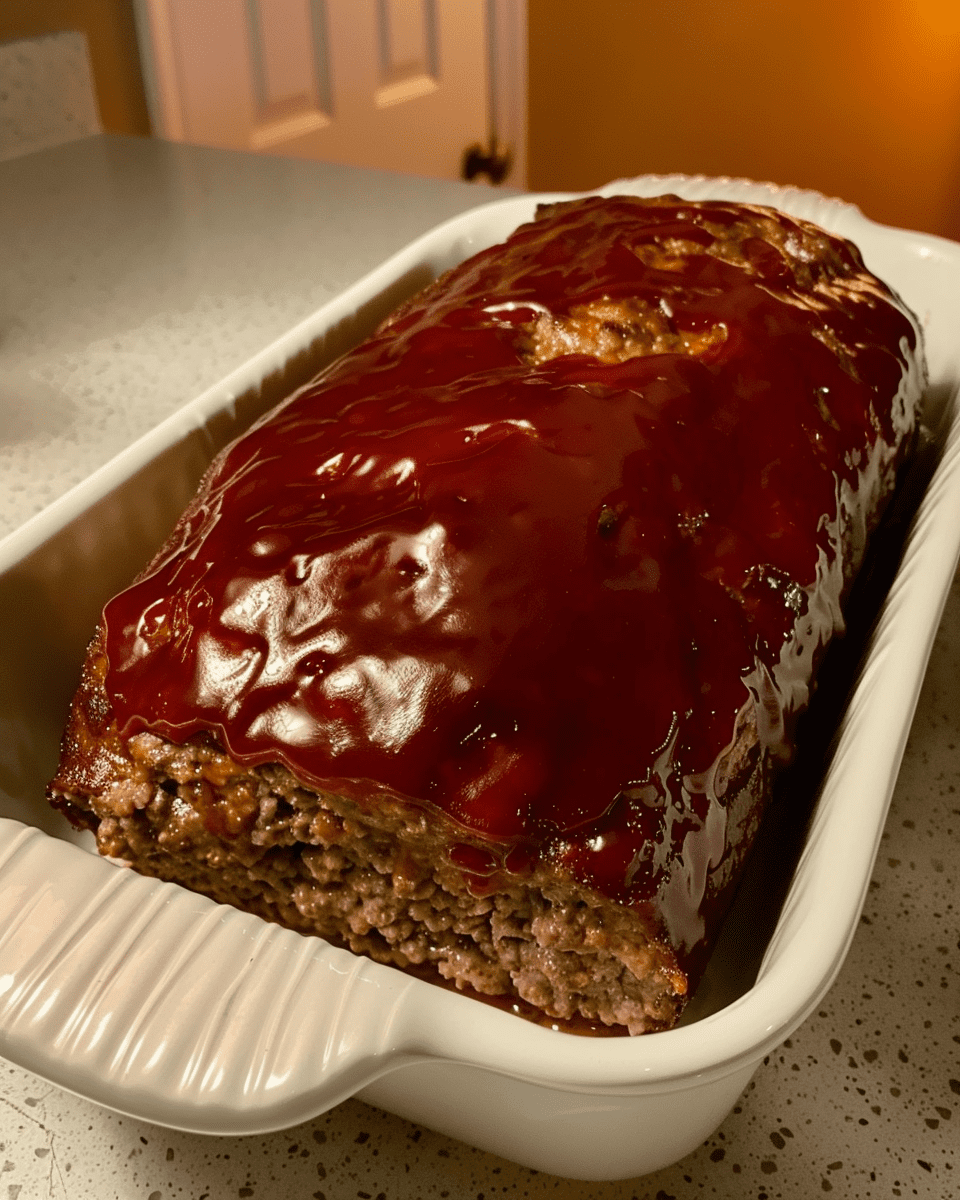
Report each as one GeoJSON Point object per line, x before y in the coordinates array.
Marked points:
{"type": "Point", "coordinates": [537, 592]}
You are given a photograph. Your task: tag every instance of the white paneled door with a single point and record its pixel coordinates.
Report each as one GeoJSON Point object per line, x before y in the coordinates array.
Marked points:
{"type": "Point", "coordinates": [406, 85]}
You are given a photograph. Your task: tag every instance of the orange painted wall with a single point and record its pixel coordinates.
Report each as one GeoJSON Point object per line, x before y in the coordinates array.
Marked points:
{"type": "Point", "coordinates": [112, 42]}
{"type": "Point", "coordinates": [853, 98]}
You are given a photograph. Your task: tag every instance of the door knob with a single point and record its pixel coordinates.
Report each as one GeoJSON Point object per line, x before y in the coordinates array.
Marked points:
{"type": "Point", "coordinates": [493, 163]}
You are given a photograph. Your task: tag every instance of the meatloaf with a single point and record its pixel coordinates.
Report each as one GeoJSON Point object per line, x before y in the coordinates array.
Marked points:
{"type": "Point", "coordinates": [478, 655]}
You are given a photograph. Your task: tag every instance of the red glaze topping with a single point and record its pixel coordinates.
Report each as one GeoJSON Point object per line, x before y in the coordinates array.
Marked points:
{"type": "Point", "coordinates": [533, 588]}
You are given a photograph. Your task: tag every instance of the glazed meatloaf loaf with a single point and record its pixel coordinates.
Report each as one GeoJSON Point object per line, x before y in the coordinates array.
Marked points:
{"type": "Point", "coordinates": [478, 654]}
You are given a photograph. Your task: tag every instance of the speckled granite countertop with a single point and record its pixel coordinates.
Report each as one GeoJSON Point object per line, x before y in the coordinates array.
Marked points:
{"type": "Point", "coordinates": [136, 274]}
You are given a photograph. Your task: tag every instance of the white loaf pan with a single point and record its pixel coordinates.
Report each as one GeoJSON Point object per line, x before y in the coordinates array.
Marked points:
{"type": "Point", "coordinates": [163, 1005]}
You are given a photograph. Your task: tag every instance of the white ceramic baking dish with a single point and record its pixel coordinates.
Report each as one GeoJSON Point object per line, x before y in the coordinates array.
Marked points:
{"type": "Point", "coordinates": [161, 1004]}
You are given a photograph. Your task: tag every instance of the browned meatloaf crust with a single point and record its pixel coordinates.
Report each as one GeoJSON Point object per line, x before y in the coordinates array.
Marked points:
{"type": "Point", "coordinates": [559, 821]}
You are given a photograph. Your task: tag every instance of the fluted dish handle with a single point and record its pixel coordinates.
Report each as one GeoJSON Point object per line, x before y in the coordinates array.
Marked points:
{"type": "Point", "coordinates": [112, 985]}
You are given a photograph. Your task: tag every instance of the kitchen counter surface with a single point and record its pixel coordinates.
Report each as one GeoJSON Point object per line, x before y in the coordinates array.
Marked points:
{"type": "Point", "coordinates": [135, 274]}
